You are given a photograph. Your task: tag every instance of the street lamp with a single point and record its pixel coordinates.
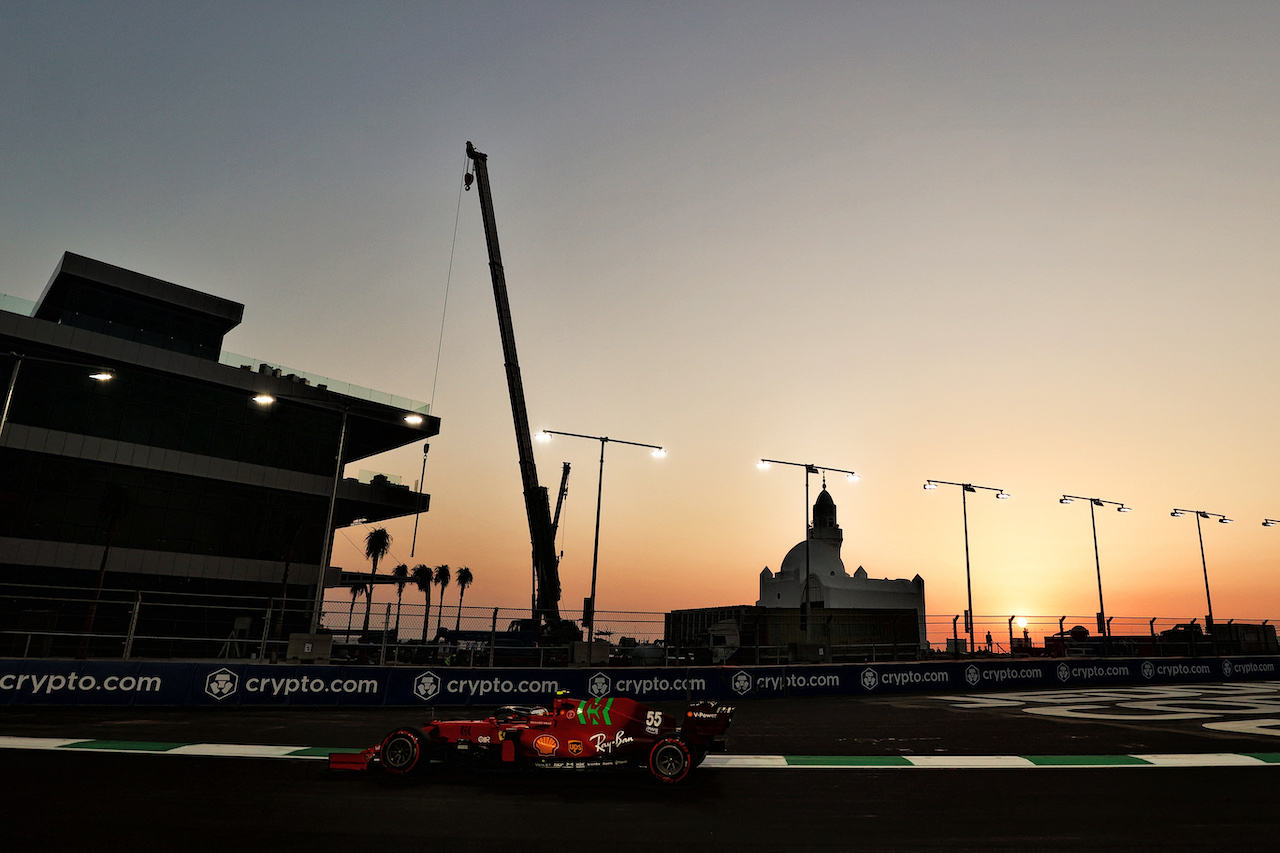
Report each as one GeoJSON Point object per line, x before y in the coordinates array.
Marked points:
{"type": "Point", "coordinates": [657, 452]}
{"type": "Point", "coordinates": [809, 468]}
{"type": "Point", "coordinates": [1270, 522]}
{"type": "Point", "coordinates": [965, 489]}
{"type": "Point", "coordinates": [1103, 628]}
{"type": "Point", "coordinates": [422, 485]}
{"type": "Point", "coordinates": [100, 374]}
{"type": "Point", "coordinates": [326, 547]}
{"type": "Point", "coordinates": [1222, 519]}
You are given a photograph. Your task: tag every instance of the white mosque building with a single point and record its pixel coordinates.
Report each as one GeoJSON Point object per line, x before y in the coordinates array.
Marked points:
{"type": "Point", "coordinates": [830, 586]}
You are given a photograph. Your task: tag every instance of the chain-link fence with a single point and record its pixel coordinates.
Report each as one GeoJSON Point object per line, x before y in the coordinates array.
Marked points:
{"type": "Point", "coordinates": [51, 621]}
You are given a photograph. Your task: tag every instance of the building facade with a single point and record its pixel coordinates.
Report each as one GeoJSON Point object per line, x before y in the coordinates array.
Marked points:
{"type": "Point", "coordinates": [170, 478]}
{"type": "Point", "coordinates": [829, 585]}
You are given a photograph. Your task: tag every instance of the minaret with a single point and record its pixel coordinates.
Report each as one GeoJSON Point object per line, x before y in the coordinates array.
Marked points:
{"type": "Point", "coordinates": [824, 519]}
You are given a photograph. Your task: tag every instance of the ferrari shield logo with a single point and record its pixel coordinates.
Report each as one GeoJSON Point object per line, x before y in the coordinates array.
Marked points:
{"type": "Point", "coordinates": [575, 747]}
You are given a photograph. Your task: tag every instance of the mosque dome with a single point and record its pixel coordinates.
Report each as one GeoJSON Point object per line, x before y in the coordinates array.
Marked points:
{"type": "Point", "coordinates": [824, 559]}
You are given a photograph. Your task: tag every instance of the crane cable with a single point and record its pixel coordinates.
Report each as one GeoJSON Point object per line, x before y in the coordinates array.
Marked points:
{"type": "Point", "coordinates": [457, 215]}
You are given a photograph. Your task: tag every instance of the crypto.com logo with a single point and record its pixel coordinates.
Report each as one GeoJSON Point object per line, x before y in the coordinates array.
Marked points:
{"type": "Point", "coordinates": [972, 675]}
{"type": "Point", "coordinates": [870, 679]}
{"type": "Point", "coordinates": [426, 686]}
{"type": "Point", "coordinates": [741, 683]}
{"type": "Point", "coordinates": [221, 683]}
{"type": "Point", "coordinates": [599, 685]}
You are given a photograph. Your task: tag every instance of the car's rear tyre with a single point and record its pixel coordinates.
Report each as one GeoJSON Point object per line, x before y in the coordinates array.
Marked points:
{"type": "Point", "coordinates": [670, 760]}
{"type": "Point", "coordinates": [403, 751]}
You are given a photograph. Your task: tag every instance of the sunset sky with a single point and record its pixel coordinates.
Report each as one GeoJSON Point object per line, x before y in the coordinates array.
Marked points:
{"type": "Point", "coordinates": [1025, 245]}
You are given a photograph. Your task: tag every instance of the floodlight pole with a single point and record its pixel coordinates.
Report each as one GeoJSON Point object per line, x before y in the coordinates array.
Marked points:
{"type": "Point", "coordinates": [658, 450]}
{"type": "Point", "coordinates": [326, 551]}
{"type": "Point", "coordinates": [965, 488]}
{"type": "Point", "coordinates": [1204, 565]}
{"type": "Point", "coordinates": [1104, 624]}
{"type": "Point", "coordinates": [422, 486]}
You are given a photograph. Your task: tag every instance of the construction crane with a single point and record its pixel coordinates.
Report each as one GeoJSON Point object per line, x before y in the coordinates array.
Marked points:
{"type": "Point", "coordinates": [542, 529]}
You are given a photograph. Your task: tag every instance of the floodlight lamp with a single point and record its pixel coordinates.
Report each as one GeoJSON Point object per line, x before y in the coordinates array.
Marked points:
{"type": "Point", "coordinates": [930, 485]}
{"type": "Point", "coordinates": [1225, 520]}
{"type": "Point", "coordinates": [102, 376]}
{"type": "Point", "coordinates": [264, 399]}
{"type": "Point", "coordinates": [1177, 513]}
{"type": "Point", "coordinates": [1066, 500]}
{"type": "Point", "coordinates": [762, 465]}
{"type": "Point", "coordinates": [1098, 502]}
{"type": "Point", "coordinates": [969, 488]}
{"type": "Point", "coordinates": [853, 478]}
{"type": "Point", "coordinates": [659, 452]}
{"type": "Point", "coordinates": [413, 420]}
{"type": "Point", "coordinates": [1270, 522]}
{"type": "Point", "coordinates": [1202, 514]}
{"type": "Point", "coordinates": [1002, 495]}
{"type": "Point", "coordinates": [543, 436]}
{"type": "Point", "coordinates": [1123, 508]}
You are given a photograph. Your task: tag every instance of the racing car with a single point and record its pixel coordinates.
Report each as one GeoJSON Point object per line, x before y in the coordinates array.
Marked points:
{"type": "Point", "coordinates": [572, 733]}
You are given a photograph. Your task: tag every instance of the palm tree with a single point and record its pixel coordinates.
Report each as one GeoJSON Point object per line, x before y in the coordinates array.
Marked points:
{"type": "Point", "coordinates": [423, 579]}
{"type": "Point", "coordinates": [356, 588]}
{"type": "Point", "coordinates": [401, 574]}
{"type": "Point", "coordinates": [441, 577]}
{"type": "Point", "coordinates": [376, 546]}
{"type": "Point", "coordinates": [464, 580]}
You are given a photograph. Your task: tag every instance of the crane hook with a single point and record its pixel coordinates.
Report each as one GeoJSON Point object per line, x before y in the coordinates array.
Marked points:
{"type": "Point", "coordinates": [467, 180]}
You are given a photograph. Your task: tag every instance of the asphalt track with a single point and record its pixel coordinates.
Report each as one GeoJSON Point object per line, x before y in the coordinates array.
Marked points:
{"type": "Point", "coordinates": [102, 799]}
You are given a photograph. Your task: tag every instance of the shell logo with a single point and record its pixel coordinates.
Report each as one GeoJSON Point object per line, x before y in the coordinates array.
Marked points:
{"type": "Point", "coordinates": [546, 745]}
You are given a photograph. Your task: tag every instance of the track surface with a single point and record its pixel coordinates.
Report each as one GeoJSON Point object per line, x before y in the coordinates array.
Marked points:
{"type": "Point", "coordinates": [94, 800]}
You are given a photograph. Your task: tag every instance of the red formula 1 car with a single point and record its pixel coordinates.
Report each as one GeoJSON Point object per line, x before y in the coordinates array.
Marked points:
{"type": "Point", "coordinates": [571, 734]}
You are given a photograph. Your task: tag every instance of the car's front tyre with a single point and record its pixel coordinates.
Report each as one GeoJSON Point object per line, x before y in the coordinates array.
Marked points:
{"type": "Point", "coordinates": [403, 751]}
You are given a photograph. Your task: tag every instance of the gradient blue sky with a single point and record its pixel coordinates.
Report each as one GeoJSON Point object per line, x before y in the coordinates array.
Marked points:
{"type": "Point", "coordinates": [1027, 245]}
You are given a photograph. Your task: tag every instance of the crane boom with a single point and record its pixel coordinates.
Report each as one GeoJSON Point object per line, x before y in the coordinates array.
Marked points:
{"type": "Point", "coordinates": [536, 501]}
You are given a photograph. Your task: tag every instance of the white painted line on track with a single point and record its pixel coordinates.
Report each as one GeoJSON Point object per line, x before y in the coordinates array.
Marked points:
{"type": "Point", "coordinates": [745, 761]}
{"type": "Point", "coordinates": [1268, 727]}
{"type": "Point", "coordinates": [968, 761]}
{"type": "Point", "coordinates": [1220, 759]}
{"type": "Point", "coordinates": [241, 750]}
{"type": "Point", "coordinates": [37, 742]}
